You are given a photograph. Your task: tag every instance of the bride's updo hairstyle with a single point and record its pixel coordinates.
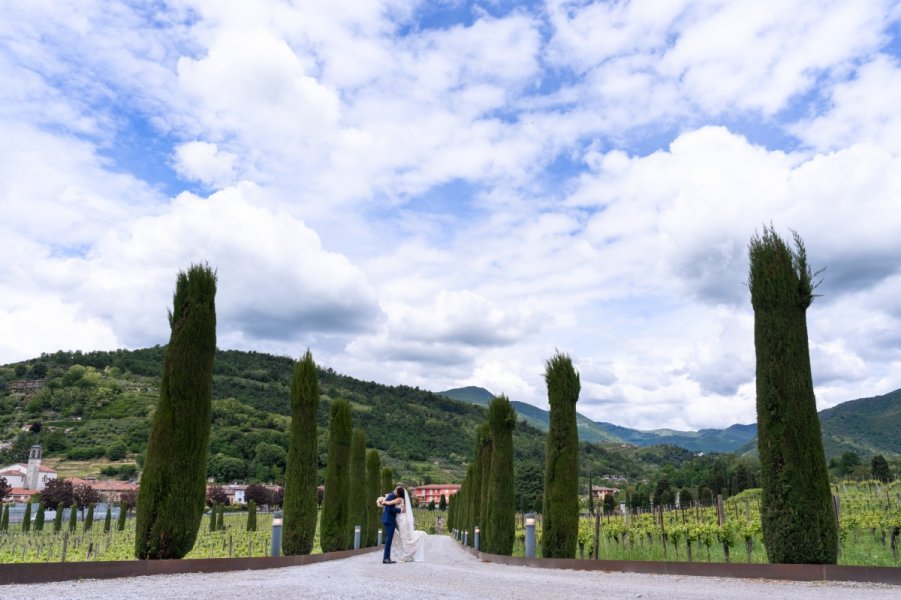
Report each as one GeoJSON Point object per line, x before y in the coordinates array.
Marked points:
{"type": "Point", "coordinates": [399, 492]}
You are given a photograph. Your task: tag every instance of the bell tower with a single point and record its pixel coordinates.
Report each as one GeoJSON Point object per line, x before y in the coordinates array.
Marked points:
{"type": "Point", "coordinates": [33, 472]}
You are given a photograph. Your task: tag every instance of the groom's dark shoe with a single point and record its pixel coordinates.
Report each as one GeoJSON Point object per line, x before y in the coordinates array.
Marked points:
{"type": "Point", "coordinates": [388, 562]}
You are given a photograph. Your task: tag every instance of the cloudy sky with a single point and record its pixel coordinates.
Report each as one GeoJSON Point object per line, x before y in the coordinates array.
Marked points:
{"type": "Point", "coordinates": [442, 193]}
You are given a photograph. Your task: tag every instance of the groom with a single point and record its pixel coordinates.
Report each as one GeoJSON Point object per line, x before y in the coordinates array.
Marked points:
{"type": "Point", "coordinates": [389, 521]}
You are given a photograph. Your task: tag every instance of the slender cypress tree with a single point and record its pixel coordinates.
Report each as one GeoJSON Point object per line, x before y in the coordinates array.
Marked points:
{"type": "Point", "coordinates": [300, 506]}
{"type": "Point", "coordinates": [387, 480]}
{"type": "Point", "coordinates": [73, 518]}
{"type": "Point", "coordinates": [58, 519]}
{"type": "Point", "coordinates": [501, 513]}
{"type": "Point", "coordinates": [466, 503]}
{"type": "Point", "coordinates": [26, 519]}
{"type": "Point", "coordinates": [478, 467]}
{"type": "Point", "coordinates": [251, 516]}
{"type": "Point", "coordinates": [39, 518]}
{"type": "Point", "coordinates": [561, 470]}
{"type": "Point", "coordinates": [373, 514]}
{"type": "Point", "coordinates": [442, 503]}
{"type": "Point", "coordinates": [173, 485]}
{"type": "Point", "coordinates": [357, 504]}
{"type": "Point", "coordinates": [220, 519]}
{"type": "Point", "coordinates": [4, 518]}
{"type": "Point", "coordinates": [123, 515]}
{"type": "Point", "coordinates": [213, 516]}
{"type": "Point", "coordinates": [487, 451]}
{"type": "Point", "coordinates": [108, 519]}
{"type": "Point", "coordinates": [89, 519]}
{"type": "Point", "coordinates": [335, 502]}
{"type": "Point", "coordinates": [796, 504]}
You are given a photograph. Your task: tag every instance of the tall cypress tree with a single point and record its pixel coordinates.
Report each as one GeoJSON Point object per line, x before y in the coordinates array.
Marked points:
{"type": "Point", "coordinates": [58, 519]}
{"type": "Point", "coordinates": [373, 514]}
{"type": "Point", "coordinates": [73, 518]}
{"type": "Point", "coordinates": [387, 481]}
{"type": "Point", "coordinates": [39, 518]}
{"type": "Point", "coordinates": [357, 505]}
{"type": "Point", "coordinates": [478, 468]}
{"type": "Point", "coordinates": [26, 519]}
{"type": "Point", "coordinates": [796, 504]}
{"type": "Point", "coordinates": [89, 519]}
{"type": "Point", "coordinates": [251, 516]}
{"type": "Point", "coordinates": [4, 518]}
{"type": "Point", "coordinates": [561, 469]}
{"type": "Point", "coordinates": [123, 515]}
{"type": "Point", "coordinates": [300, 506]}
{"type": "Point", "coordinates": [501, 513]}
{"type": "Point", "coordinates": [335, 502]}
{"type": "Point", "coordinates": [108, 519]}
{"type": "Point", "coordinates": [466, 502]}
{"type": "Point", "coordinates": [220, 517]}
{"type": "Point", "coordinates": [487, 450]}
{"type": "Point", "coordinates": [173, 485]}
{"type": "Point", "coordinates": [442, 503]}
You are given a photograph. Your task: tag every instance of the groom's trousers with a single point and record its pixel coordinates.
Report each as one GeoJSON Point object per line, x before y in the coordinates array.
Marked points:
{"type": "Point", "coordinates": [390, 528]}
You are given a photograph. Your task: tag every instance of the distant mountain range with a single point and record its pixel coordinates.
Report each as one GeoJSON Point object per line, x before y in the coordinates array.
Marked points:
{"type": "Point", "coordinates": [866, 426]}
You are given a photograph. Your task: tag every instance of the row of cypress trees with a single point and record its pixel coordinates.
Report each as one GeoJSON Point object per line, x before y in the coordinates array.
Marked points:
{"type": "Point", "coordinates": [486, 497]}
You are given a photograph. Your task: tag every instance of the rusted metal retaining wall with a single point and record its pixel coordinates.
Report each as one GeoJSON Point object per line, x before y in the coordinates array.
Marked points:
{"type": "Point", "coordinates": [47, 572]}
{"type": "Point", "coordinates": [886, 575]}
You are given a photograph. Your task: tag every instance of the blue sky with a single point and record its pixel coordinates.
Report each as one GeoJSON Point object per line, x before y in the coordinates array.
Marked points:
{"type": "Point", "coordinates": [442, 194]}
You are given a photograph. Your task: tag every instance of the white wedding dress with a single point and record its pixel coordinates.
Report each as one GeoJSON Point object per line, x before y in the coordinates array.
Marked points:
{"type": "Point", "coordinates": [408, 544]}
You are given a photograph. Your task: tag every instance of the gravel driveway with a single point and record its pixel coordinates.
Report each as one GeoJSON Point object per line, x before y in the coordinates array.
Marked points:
{"type": "Point", "coordinates": [448, 573]}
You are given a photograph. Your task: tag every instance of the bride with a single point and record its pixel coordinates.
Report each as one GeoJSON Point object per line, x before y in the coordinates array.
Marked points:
{"type": "Point", "coordinates": [409, 544]}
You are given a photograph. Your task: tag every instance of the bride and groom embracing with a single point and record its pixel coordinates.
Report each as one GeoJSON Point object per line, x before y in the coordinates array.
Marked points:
{"type": "Point", "coordinates": [397, 514]}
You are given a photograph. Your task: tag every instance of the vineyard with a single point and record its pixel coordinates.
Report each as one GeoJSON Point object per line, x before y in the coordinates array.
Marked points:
{"type": "Point", "coordinates": [869, 523]}
{"type": "Point", "coordinates": [17, 546]}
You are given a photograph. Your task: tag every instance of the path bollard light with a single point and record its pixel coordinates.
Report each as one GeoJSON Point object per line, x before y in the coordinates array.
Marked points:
{"type": "Point", "coordinates": [466, 538]}
{"type": "Point", "coordinates": [275, 549]}
{"type": "Point", "coordinates": [356, 537]}
{"type": "Point", "coordinates": [379, 538]}
{"type": "Point", "coordinates": [475, 543]}
{"type": "Point", "coordinates": [530, 536]}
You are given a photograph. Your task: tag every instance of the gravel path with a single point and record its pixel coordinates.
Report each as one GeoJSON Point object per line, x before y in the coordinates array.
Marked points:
{"type": "Point", "coordinates": [448, 573]}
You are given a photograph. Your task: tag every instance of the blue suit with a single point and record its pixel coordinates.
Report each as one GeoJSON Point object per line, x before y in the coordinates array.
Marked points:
{"type": "Point", "coordinates": [389, 521]}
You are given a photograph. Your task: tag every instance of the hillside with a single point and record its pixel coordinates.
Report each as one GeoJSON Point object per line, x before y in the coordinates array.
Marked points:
{"type": "Point", "coordinates": [589, 431]}
{"type": "Point", "coordinates": [705, 440]}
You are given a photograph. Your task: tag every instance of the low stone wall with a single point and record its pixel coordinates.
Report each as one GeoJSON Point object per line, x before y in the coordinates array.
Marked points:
{"type": "Point", "coordinates": [47, 572]}
{"type": "Point", "coordinates": [886, 575]}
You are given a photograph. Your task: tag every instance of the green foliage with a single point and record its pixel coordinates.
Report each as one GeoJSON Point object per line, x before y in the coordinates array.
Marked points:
{"type": "Point", "coordinates": [220, 517]}
{"type": "Point", "coordinates": [561, 472]}
{"type": "Point", "coordinates": [357, 499]}
{"type": "Point", "coordinates": [26, 519]}
{"type": "Point", "coordinates": [500, 526]}
{"type": "Point", "coordinates": [89, 519]}
{"type": "Point", "coordinates": [797, 514]}
{"type": "Point", "coordinates": [335, 503]}
{"type": "Point", "coordinates": [123, 515]}
{"type": "Point", "coordinates": [442, 503]}
{"type": "Point", "coordinates": [58, 519]}
{"type": "Point", "coordinates": [4, 518]}
{"type": "Point", "coordinates": [251, 516]}
{"type": "Point", "coordinates": [173, 484]}
{"type": "Point", "coordinates": [300, 506]}
{"type": "Point", "coordinates": [373, 514]}
{"type": "Point", "coordinates": [880, 469]}
{"type": "Point", "coordinates": [108, 519]}
{"type": "Point", "coordinates": [73, 518]}
{"type": "Point", "coordinates": [387, 481]}
{"type": "Point", "coordinates": [479, 463]}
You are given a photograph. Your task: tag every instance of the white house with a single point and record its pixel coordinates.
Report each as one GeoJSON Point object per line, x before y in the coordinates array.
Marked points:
{"type": "Point", "coordinates": [31, 476]}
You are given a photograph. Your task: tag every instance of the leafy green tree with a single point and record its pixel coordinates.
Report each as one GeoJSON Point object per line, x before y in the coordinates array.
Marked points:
{"type": "Point", "coordinates": [300, 505]}
{"type": "Point", "coordinates": [387, 480]}
{"type": "Point", "coordinates": [58, 519]}
{"type": "Point", "coordinates": [251, 516]}
{"type": "Point", "coordinates": [501, 517]}
{"type": "Point", "coordinates": [741, 480]}
{"type": "Point", "coordinates": [609, 504]}
{"type": "Point", "coordinates": [663, 493]}
{"type": "Point", "coordinates": [357, 504]}
{"type": "Point", "coordinates": [529, 486]}
{"type": "Point", "coordinates": [26, 519]}
{"type": "Point", "coordinates": [5, 488]}
{"type": "Point", "coordinates": [173, 484]}
{"type": "Point", "coordinates": [442, 503]}
{"type": "Point", "coordinates": [89, 520]}
{"type": "Point", "coordinates": [431, 506]}
{"type": "Point", "coordinates": [685, 497]}
{"type": "Point", "coordinates": [561, 472]}
{"type": "Point", "coordinates": [797, 516]}
{"type": "Point", "coordinates": [880, 468]}
{"type": "Point", "coordinates": [123, 515]}
{"type": "Point", "coordinates": [335, 503]}
{"type": "Point", "coordinates": [373, 514]}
